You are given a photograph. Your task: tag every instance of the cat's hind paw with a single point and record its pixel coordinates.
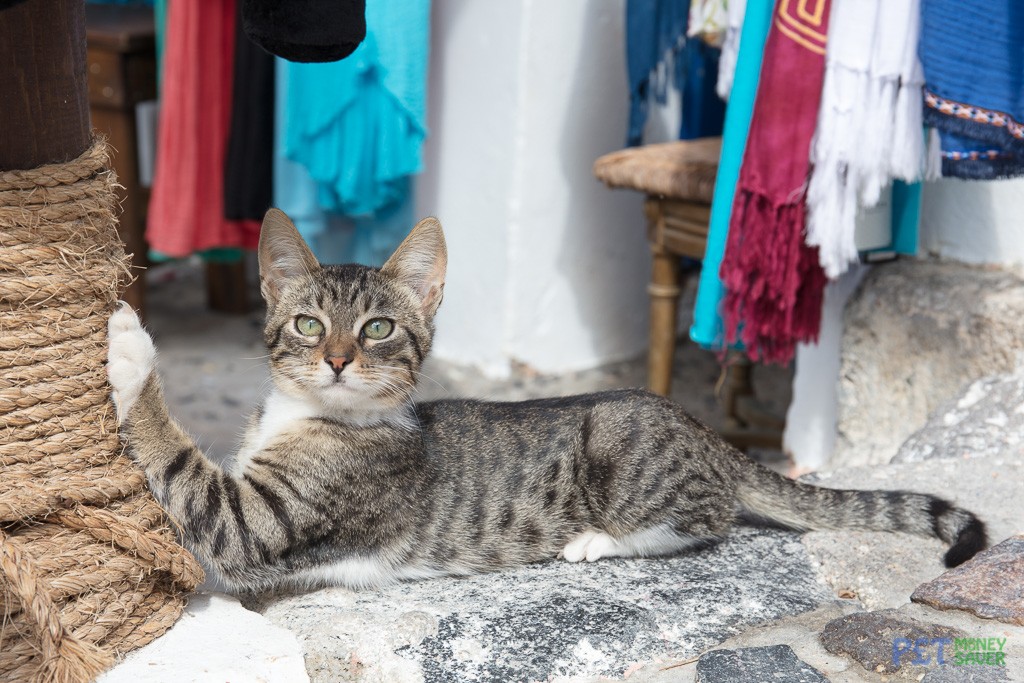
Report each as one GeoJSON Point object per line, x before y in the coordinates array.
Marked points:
{"type": "Point", "coordinates": [131, 358]}
{"type": "Point", "coordinates": [591, 545]}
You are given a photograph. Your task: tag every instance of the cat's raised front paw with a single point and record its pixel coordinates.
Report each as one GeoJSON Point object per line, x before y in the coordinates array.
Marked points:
{"type": "Point", "coordinates": [131, 357]}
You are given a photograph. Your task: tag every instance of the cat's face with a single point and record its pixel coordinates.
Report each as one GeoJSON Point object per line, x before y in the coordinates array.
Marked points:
{"type": "Point", "coordinates": [349, 337]}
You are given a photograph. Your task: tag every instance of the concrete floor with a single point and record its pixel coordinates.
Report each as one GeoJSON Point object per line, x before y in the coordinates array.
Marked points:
{"type": "Point", "coordinates": [214, 367]}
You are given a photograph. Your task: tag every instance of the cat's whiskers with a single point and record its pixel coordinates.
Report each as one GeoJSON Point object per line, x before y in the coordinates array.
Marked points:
{"type": "Point", "coordinates": [377, 371]}
{"type": "Point", "coordinates": [425, 375]}
{"type": "Point", "coordinates": [390, 386]}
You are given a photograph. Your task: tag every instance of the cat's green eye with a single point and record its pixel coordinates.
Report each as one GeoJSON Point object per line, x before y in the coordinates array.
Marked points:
{"type": "Point", "coordinates": [378, 328]}
{"type": "Point", "coordinates": [309, 326]}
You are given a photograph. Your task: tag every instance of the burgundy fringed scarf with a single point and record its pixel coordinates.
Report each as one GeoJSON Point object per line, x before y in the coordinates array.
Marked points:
{"type": "Point", "coordinates": [773, 281]}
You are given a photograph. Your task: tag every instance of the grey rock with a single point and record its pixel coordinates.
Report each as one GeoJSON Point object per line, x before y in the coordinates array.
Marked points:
{"type": "Point", "coordinates": [551, 619]}
{"type": "Point", "coordinates": [915, 334]}
{"type": "Point", "coordinates": [774, 663]}
{"type": "Point", "coordinates": [985, 419]}
{"type": "Point", "coordinates": [870, 639]}
{"type": "Point", "coordinates": [991, 585]}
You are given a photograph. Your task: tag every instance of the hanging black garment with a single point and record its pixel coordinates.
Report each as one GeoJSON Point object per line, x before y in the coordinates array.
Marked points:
{"type": "Point", "coordinates": [306, 30]}
{"type": "Point", "coordinates": [249, 161]}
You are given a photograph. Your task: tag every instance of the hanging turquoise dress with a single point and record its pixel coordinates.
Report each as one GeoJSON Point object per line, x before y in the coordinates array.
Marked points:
{"type": "Point", "coordinates": [350, 137]}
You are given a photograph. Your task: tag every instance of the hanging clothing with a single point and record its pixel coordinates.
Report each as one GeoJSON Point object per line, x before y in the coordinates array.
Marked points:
{"type": "Point", "coordinates": [315, 209]}
{"type": "Point", "coordinates": [703, 113]}
{"type": "Point", "coordinates": [656, 41]}
{"type": "Point", "coordinates": [358, 125]}
{"type": "Point", "coordinates": [249, 165]}
{"type": "Point", "coordinates": [186, 209]}
{"type": "Point", "coordinates": [869, 127]}
{"type": "Point", "coordinates": [708, 21]}
{"type": "Point", "coordinates": [972, 52]}
{"type": "Point", "coordinates": [305, 30]}
{"type": "Point", "coordinates": [730, 46]}
{"type": "Point", "coordinates": [707, 321]}
{"type": "Point", "coordinates": [774, 284]}
{"type": "Point", "coordinates": [655, 36]}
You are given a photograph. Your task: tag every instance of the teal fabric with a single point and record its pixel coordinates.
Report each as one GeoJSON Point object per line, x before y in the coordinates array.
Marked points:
{"type": "Point", "coordinates": [707, 322]}
{"type": "Point", "coordinates": [906, 217]}
{"type": "Point", "coordinates": [904, 221]}
{"type": "Point", "coordinates": [160, 22]}
{"type": "Point", "coordinates": [333, 237]}
{"type": "Point", "coordinates": [357, 125]}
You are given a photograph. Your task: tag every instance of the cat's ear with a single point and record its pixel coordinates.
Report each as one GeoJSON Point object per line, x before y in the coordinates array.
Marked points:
{"type": "Point", "coordinates": [420, 262]}
{"type": "Point", "coordinates": [283, 254]}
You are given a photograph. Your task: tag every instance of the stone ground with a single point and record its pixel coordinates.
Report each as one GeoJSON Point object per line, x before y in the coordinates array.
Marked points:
{"type": "Point", "coordinates": [763, 605]}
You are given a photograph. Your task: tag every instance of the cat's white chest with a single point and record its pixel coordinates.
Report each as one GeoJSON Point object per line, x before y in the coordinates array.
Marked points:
{"type": "Point", "coordinates": [281, 414]}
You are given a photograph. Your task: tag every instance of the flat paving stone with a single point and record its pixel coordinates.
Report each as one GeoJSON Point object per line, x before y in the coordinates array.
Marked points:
{"type": "Point", "coordinates": [216, 639]}
{"type": "Point", "coordinates": [966, 674]}
{"type": "Point", "coordinates": [764, 664]}
{"type": "Point", "coordinates": [551, 619]}
{"type": "Point", "coordinates": [869, 638]}
{"type": "Point", "coordinates": [990, 585]}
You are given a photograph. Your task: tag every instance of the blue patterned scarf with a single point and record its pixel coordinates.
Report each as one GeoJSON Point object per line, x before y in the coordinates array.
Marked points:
{"type": "Point", "coordinates": [973, 57]}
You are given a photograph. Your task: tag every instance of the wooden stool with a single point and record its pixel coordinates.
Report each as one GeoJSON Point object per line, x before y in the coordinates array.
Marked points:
{"type": "Point", "coordinates": [679, 181]}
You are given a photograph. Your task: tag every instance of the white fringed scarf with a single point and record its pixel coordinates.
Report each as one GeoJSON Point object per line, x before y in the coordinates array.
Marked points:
{"type": "Point", "coordinates": [735, 9]}
{"type": "Point", "coordinates": [869, 124]}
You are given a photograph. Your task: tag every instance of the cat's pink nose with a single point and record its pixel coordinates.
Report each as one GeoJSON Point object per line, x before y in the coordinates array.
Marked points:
{"type": "Point", "coordinates": [337, 363]}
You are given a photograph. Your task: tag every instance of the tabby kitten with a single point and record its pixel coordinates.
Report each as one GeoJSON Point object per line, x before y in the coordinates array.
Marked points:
{"type": "Point", "coordinates": [342, 479]}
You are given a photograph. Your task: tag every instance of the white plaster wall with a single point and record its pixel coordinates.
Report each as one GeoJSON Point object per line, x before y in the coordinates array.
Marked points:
{"type": "Point", "coordinates": [810, 434]}
{"type": "Point", "coordinates": [974, 221]}
{"type": "Point", "coordinates": [546, 266]}
{"type": "Point", "coordinates": [472, 104]}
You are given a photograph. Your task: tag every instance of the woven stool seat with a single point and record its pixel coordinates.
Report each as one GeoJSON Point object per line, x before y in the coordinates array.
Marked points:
{"type": "Point", "coordinates": [683, 170]}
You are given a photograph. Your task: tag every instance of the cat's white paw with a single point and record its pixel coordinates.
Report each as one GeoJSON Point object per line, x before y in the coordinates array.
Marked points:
{"type": "Point", "coordinates": [591, 546]}
{"type": "Point", "coordinates": [602, 545]}
{"type": "Point", "coordinates": [131, 357]}
{"type": "Point", "coordinates": [576, 549]}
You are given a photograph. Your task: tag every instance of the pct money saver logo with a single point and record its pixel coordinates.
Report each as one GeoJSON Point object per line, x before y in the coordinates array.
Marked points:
{"type": "Point", "coordinates": [955, 651]}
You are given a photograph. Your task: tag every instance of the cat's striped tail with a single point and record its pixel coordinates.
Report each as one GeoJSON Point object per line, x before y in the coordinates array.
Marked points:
{"type": "Point", "coordinates": [803, 507]}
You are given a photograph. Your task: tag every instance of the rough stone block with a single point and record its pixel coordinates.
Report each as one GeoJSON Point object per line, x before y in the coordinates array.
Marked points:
{"type": "Point", "coordinates": [774, 663]}
{"type": "Point", "coordinates": [868, 638]}
{"type": "Point", "coordinates": [915, 334]}
{"type": "Point", "coordinates": [986, 419]}
{"type": "Point", "coordinates": [991, 585]}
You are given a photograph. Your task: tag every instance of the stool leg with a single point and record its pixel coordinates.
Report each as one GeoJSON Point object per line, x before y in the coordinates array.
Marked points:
{"type": "Point", "coordinates": [664, 293]}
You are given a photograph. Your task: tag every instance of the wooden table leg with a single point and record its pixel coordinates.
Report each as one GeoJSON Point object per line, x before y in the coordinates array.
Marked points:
{"type": "Point", "coordinates": [664, 292]}
{"type": "Point", "coordinates": [226, 289]}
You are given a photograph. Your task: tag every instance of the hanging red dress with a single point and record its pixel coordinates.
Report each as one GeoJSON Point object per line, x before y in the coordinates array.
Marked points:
{"type": "Point", "coordinates": [186, 210]}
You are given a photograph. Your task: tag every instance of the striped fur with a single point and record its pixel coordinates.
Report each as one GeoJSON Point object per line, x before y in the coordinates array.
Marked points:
{"type": "Point", "coordinates": [343, 480]}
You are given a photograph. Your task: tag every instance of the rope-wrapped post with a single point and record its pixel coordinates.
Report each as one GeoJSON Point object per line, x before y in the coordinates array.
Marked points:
{"type": "Point", "coordinates": [89, 566]}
